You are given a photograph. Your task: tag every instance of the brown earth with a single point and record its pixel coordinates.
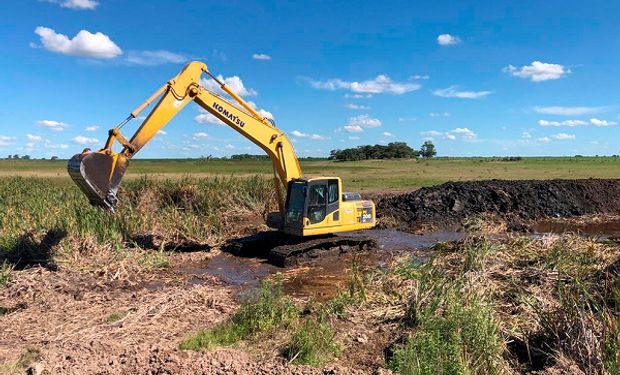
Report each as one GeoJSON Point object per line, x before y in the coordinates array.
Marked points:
{"type": "Point", "coordinates": [451, 203]}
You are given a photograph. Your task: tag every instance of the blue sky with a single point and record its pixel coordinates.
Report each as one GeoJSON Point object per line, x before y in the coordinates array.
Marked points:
{"type": "Point", "coordinates": [500, 78]}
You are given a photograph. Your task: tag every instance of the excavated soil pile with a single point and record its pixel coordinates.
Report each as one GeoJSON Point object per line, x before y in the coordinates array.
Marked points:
{"type": "Point", "coordinates": [451, 203]}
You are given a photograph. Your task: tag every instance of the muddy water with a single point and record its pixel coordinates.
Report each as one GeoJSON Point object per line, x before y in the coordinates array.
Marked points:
{"type": "Point", "coordinates": [603, 229]}
{"type": "Point", "coordinates": [322, 280]}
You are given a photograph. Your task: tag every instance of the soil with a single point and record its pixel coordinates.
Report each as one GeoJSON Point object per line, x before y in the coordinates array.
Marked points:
{"type": "Point", "coordinates": [450, 204]}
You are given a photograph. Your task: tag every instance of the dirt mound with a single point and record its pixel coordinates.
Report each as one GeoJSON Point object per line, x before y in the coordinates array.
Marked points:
{"type": "Point", "coordinates": [453, 202]}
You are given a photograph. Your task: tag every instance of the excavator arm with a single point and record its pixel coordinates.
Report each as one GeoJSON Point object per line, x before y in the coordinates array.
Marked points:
{"type": "Point", "coordinates": [98, 174]}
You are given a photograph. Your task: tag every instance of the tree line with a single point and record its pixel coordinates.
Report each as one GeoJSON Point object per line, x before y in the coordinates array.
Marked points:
{"type": "Point", "coordinates": [394, 150]}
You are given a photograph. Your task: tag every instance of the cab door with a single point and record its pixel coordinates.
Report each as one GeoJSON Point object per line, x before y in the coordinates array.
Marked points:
{"type": "Point", "coordinates": [323, 202]}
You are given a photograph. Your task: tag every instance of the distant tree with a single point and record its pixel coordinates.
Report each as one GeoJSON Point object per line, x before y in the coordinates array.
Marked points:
{"type": "Point", "coordinates": [394, 150]}
{"type": "Point", "coordinates": [427, 150]}
{"type": "Point", "coordinates": [16, 156]}
{"type": "Point", "coordinates": [10, 157]}
{"type": "Point", "coordinates": [26, 157]}
{"type": "Point", "coordinates": [54, 158]}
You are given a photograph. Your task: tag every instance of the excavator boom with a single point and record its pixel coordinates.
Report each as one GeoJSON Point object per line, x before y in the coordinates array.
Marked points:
{"type": "Point", "coordinates": [98, 174]}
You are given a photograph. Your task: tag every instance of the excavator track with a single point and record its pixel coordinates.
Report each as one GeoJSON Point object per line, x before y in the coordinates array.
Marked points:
{"type": "Point", "coordinates": [284, 251]}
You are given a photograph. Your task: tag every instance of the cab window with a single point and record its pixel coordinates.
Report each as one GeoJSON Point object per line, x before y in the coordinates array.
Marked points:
{"type": "Point", "coordinates": [332, 191]}
{"type": "Point", "coordinates": [317, 203]}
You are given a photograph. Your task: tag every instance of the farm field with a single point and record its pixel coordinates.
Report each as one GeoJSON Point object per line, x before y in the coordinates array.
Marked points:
{"type": "Point", "coordinates": [368, 175]}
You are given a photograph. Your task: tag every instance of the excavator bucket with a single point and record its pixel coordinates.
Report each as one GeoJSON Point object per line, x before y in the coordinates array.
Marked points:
{"type": "Point", "coordinates": [98, 175]}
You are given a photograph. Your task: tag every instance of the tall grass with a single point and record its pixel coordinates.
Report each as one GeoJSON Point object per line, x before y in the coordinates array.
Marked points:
{"type": "Point", "coordinates": [193, 208]}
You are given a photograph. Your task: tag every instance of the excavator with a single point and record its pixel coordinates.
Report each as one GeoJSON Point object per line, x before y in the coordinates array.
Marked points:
{"type": "Point", "coordinates": [313, 210]}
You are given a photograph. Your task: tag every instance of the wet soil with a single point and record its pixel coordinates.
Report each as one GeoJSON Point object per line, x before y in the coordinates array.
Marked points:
{"type": "Point", "coordinates": [451, 203]}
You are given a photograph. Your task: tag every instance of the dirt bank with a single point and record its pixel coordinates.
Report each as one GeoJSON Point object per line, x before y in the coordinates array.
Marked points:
{"type": "Point", "coordinates": [453, 202]}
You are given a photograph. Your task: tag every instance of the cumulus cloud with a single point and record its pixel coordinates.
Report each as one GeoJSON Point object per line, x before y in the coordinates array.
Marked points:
{"type": "Point", "coordinates": [53, 125]}
{"type": "Point", "coordinates": [357, 106]}
{"type": "Point", "coordinates": [418, 76]}
{"type": "Point", "coordinates": [569, 111]}
{"type": "Point", "coordinates": [378, 85]}
{"type": "Point", "coordinates": [538, 71]}
{"type": "Point", "coordinates": [34, 138]}
{"type": "Point", "coordinates": [234, 83]}
{"type": "Point", "coordinates": [464, 133]}
{"type": "Point", "coordinates": [261, 56]}
{"type": "Point", "coordinates": [357, 124]}
{"type": "Point", "coordinates": [84, 44]}
{"type": "Point", "coordinates": [453, 92]}
{"type": "Point", "coordinates": [354, 137]}
{"type": "Point", "coordinates": [92, 128]}
{"type": "Point", "coordinates": [439, 114]}
{"type": "Point", "coordinates": [597, 122]}
{"type": "Point", "coordinates": [571, 123]}
{"type": "Point", "coordinates": [76, 4]}
{"type": "Point", "coordinates": [447, 40]}
{"type": "Point", "coordinates": [406, 119]}
{"type": "Point", "coordinates": [357, 96]}
{"type": "Point", "coordinates": [315, 137]}
{"type": "Point", "coordinates": [562, 136]}
{"type": "Point", "coordinates": [81, 140]}
{"type": "Point", "coordinates": [526, 135]}
{"type": "Point", "coordinates": [152, 58]}
{"type": "Point", "coordinates": [387, 134]}
{"type": "Point", "coordinates": [431, 134]}
{"type": "Point", "coordinates": [544, 139]}
{"type": "Point", "coordinates": [200, 135]}
{"type": "Point", "coordinates": [162, 132]}
{"type": "Point", "coordinates": [5, 140]}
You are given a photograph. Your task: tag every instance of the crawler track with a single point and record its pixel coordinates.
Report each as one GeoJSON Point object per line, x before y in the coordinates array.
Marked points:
{"type": "Point", "coordinates": [284, 251]}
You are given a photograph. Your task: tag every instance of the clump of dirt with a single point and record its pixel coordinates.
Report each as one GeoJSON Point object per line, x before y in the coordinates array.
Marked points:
{"type": "Point", "coordinates": [452, 203]}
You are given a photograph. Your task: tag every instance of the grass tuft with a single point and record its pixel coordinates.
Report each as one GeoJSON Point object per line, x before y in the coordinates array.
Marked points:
{"type": "Point", "coordinates": [313, 342]}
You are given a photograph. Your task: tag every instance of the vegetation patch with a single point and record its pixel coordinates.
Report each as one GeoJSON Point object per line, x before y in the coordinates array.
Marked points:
{"type": "Point", "coordinates": [313, 342]}
{"type": "Point", "coordinates": [262, 313]}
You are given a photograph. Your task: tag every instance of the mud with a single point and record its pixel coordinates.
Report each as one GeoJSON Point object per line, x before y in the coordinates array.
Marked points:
{"type": "Point", "coordinates": [450, 204]}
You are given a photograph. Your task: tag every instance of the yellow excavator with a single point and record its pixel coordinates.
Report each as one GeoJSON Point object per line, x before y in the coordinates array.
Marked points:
{"type": "Point", "coordinates": [313, 209]}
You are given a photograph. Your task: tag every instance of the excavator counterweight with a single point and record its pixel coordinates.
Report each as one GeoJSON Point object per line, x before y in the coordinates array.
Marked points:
{"type": "Point", "coordinates": [313, 207]}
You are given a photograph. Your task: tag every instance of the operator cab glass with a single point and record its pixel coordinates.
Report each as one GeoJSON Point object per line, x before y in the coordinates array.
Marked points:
{"type": "Point", "coordinates": [313, 200]}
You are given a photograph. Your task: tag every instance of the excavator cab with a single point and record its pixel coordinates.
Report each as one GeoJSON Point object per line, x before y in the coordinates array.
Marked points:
{"type": "Point", "coordinates": [316, 206]}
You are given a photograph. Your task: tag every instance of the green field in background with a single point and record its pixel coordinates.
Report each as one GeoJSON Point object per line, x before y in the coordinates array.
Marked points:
{"type": "Point", "coordinates": [367, 175]}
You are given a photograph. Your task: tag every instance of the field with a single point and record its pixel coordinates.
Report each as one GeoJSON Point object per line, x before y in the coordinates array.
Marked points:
{"type": "Point", "coordinates": [370, 175]}
{"type": "Point", "coordinates": [463, 280]}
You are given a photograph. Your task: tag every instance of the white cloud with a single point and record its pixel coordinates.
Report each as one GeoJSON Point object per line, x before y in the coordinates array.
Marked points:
{"type": "Point", "coordinates": [569, 123]}
{"type": "Point", "coordinates": [357, 96]}
{"type": "Point", "coordinates": [597, 122]}
{"type": "Point", "coordinates": [315, 137]}
{"type": "Point", "coordinates": [162, 132]}
{"type": "Point", "coordinates": [378, 85]}
{"type": "Point", "coordinates": [387, 134]}
{"type": "Point", "coordinates": [76, 4]}
{"type": "Point", "coordinates": [538, 71]}
{"type": "Point", "coordinates": [357, 106]}
{"type": "Point", "coordinates": [81, 140]}
{"type": "Point", "coordinates": [229, 147]}
{"type": "Point", "coordinates": [569, 111]}
{"type": "Point", "coordinates": [5, 140]}
{"type": "Point", "coordinates": [406, 119]}
{"type": "Point", "coordinates": [84, 44]}
{"type": "Point", "coordinates": [261, 56]}
{"type": "Point", "coordinates": [34, 138]}
{"type": "Point", "coordinates": [354, 137]}
{"type": "Point", "coordinates": [234, 83]}
{"type": "Point", "coordinates": [464, 133]}
{"type": "Point", "coordinates": [200, 135]}
{"type": "Point", "coordinates": [452, 92]}
{"type": "Point", "coordinates": [563, 136]}
{"type": "Point", "coordinates": [430, 134]}
{"type": "Point", "coordinates": [51, 124]}
{"type": "Point", "coordinates": [439, 114]}
{"type": "Point", "coordinates": [152, 58]}
{"type": "Point", "coordinates": [544, 139]}
{"type": "Point", "coordinates": [418, 76]}
{"type": "Point", "coordinates": [447, 39]}
{"type": "Point", "coordinates": [204, 117]}
{"type": "Point", "coordinates": [357, 124]}
{"type": "Point", "coordinates": [266, 114]}
{"type": "Point", "coordinates": [526, 135]}
{"type": "Point", "coordinates": [53, 146]}
{"type": "Point", "coordinates": [92, 128]}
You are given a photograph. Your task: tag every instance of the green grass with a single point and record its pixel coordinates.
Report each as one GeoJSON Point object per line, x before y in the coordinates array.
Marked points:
{"type": "Point", "coordinates": [364, 175]}
{"type": "Point", "coordinates": [6, 269]}
{"type": "Point", "coordinates": [313, 343]}
{"type": "Point", "coordinates": [116, 316]}
{"type": "Point", "coordinates": [262, 313]}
